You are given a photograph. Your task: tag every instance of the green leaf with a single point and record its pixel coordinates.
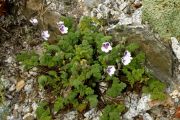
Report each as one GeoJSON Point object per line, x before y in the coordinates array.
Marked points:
{"type": "Point", "coordinates": [43, 112]}
{"type": "Point", "coordinates": [58, 104]}
{"type": "Point", "coordinates": [53, 73]}
{"type": "Point", "coordinates": [116, 89]}
{"type": "Point", "coordinates": [89, 91]}
{"type": "Point", "coordinates": [43, 80]}
{"type": "Point", "coordinates": [28, 59]}
{"type": "Point", "coordinates": [132, 47]}
{"type": "Point", "coordinates": [155, 88]}
{"type": "Point", "coordinates": [92, 100]}
{"type": "Point", "coordinates": [112, 112]}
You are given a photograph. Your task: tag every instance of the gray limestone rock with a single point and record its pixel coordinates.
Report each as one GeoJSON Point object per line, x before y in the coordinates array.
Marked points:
{"type": "Point", "coordinates": [91, 3]}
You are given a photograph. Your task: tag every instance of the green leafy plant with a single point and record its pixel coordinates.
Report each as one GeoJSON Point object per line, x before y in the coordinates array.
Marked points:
{"type": "Point", "coordinates": [43, 112]}
{"type": "Point", "coordinates": [112, 112]}
{"type": "Point", "coordinates": [73, 68]}
{"type": "Point", "coordinates": [155, 88]}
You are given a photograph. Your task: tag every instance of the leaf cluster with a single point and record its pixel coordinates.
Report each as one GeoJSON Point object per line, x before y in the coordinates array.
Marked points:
{"type": "Point", "coordinates": [112, 112]}
{"type": "Point", "coordinates": [156, 88]}
{"type": "Point", "coordinates": [73, 68]}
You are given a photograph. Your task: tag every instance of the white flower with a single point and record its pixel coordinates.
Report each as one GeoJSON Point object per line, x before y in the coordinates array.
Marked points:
{"type": "Point", "coordinates": [34, 21]}
{"type": "Point", "coordinates": [106, 47]}
{"type": "Point", "coordinates": [63, 29]}
{"type": "Point", "coordinates": [126, 59]}
{"type": "Point", "coordinates": [45, 35]}
{"type": "Point", "coordinates": [111, 70]}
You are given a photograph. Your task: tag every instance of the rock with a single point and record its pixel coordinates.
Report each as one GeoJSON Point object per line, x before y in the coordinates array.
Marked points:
{"type": "Point", "coordinates": [147, 116]}
{"type": "Point", "coordinates": [12, 88]}
{"type": "Point", "coordinates": [125, 19]}
{"type": "Point", "coordinates": [28, 116]}
{"type": "Point", "coordinates": [71, 116]}
{"type": "Point", "coordinates": [16, 106]}
{"type": "Point", "coordinates": [91, 3]}
{"type": "Point", "coordinates": [136, 17]}
{"type": "Point", "coordinates": [5, 82]}
{"type": "Point", "coordinates": [10, 117]}
{"type": "Point", "coordinates": [32, 73]}
{"type": "Point", "coordinates": [123, 6]}
{"type": "Point", "coordinates": [159, 58]}
{"type": "Point", "coordinates": [26, 109]}
{"type": "Point", "coordinates": [9, 60]}
{"type": "Point", "coordinates": [103, 86]}
{"type": "Point", "coordinates": [175, 47]}
{"type": "Point", "coordinates": [135, 106]}
{"type": "Point", "coordinates": [20, 85]}
{"type": "Point", "coordinates": [92, 114]}
{"type": "Point", "coordinates": [28, 88]}
{"type": "Point", "coordinates": [34, 106]}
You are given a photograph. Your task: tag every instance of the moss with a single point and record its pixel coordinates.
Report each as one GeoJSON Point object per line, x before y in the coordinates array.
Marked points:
{"type": "Point", "coordinates": [163, 16]}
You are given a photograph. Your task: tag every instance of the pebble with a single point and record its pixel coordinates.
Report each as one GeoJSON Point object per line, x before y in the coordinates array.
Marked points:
{"type": "Point", "coordinates": [34, 106]}
{"type": "Point", "coordinates": [28, 116]}
{"type": "Point", "coordinates": [92, 114]}
{"type": "Point", "coordinates": [12, 88]}
{"type": "Point", "coordinates": [5, 82]}
{"type": "Point", "coordinates": [16, 106]}
{"type": "Point", "coordinates": [147, 116]}
{"type": "Point", "coordinates": [9, 60]}
{"type": "Point", "coordinates": [71, 115]}
{"type": "Point", "coordinates": [26, 109]}
{"type": "Point", "coordinates": [28, 88]}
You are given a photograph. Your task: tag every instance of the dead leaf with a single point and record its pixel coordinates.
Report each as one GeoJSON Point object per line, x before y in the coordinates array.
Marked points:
{"type": "Point", "coordinates": [20, 85]}
{"type": "Point", "coordinates": [167, 102]}
{"type": "Point", "coordinates": [177, 114]}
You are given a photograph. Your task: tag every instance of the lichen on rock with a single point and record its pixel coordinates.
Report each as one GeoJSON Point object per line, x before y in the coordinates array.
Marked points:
{"type": "Point", "coordinates": [163, 16]}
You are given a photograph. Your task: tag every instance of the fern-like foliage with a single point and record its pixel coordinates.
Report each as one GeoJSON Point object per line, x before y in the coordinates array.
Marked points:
{"type": "Point", "coordinates": [73, 68]}
{"type": "Point", "coordinates": [43, 112]}
{"type": "Point", "coordinates": [156, 88]}
{"type": "Point", "coordinates": [112, 112]}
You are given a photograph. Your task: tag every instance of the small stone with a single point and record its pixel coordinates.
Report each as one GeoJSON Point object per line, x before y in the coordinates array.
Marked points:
{"type": "Point", "coordinates": [10, 117]}
{"type": "Point", "coordinates": [176, 100]}
{"type": "Point", "coordinates": [71, 115]}
{"type": "Point", "coordinates": [26, 109]}
{"type": "Point", "coordinates": [28, 116]}
{"type": "Point", "coordinates": [125, 20]}
{"type": "Point", "coordinates": [20, 85]}
{"type": "Point", "coordinates": [146, 116]}
{"type": "Point", "coordinates": [91, 3]}
{"type": "Point", "coordinates": [12, 88]}
{"type": "Point", "coordinates": [136, 106]}
{"type": "Point", "coordinates": [136, 17]}
{"type": "Point", "coordinates": [5, 82]}
{"type": "Point", "coordinates": [92, 114]}
{"type": "Point", "coordinates": [9, 60]}
{"type": "Point", "coordinates": [28, 88]}
{"type": "Point", "coordinates": [16, 106]}
{"type": "Point", "coordinates": [34, 69]}
{"type": "Point", "coordinates": [123, 6]}
{"type": "Point", "coordinates": [34, 106]}
{"type": "Point", "coordinates": [20, 109]}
